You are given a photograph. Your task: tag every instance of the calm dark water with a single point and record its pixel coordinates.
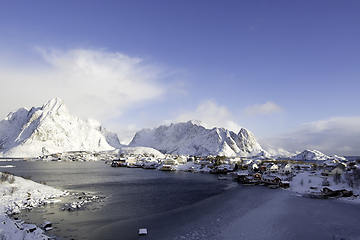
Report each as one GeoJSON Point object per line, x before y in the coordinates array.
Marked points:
{"type": "Point", "coordinates": [178, 205]}
{"type": "Point", "coordinates": [132, 195]}
{"type": "Point", "coordinates": [352, 158]}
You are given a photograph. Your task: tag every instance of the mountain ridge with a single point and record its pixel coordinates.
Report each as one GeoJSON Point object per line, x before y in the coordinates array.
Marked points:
{"type": "Point", "coordinates": [192, 138]}
{"type": "Point", "coordinates": [314, 155]}
{"type": "Point", "coordinates": [50, 129]}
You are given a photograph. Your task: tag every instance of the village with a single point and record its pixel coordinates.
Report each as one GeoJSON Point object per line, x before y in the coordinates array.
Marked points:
{"type": "Point", "coordinates": [314, 179]}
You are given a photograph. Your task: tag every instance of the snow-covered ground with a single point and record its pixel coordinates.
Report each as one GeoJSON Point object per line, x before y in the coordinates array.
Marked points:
{"type": "Point", "coordinates": [18, 193]}
{"type": "Point", "coordinates": [307, 182]}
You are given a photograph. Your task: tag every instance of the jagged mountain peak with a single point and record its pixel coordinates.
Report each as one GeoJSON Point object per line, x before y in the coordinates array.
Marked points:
{"type": "Point", "coordinates": [49, 129]}
{"type": "Point", "coordinates": [190, 123]}
{"type": "Point", "coordinates": [54, 105]}
{"type": "Point", "coordinates": [192, 138]}
{"type": "Point", "coordinates": [196, 122]}
{"type": "Point", "coordinates": [245, 133]}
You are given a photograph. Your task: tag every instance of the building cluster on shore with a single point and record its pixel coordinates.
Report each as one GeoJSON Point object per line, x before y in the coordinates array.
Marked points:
{"type": "Point", "coordinates": [256, 171]}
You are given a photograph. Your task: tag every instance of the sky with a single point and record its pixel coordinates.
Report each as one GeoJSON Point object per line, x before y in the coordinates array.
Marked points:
{"type": "Point", "coordinates": [288, 71]}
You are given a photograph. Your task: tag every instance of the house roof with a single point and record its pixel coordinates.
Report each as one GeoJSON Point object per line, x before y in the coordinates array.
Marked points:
{"type": "Point", "coordinates": [337, 189]}
{"type": "Point", "coordinates": [272, 166]}
{"type": "Point", "coordinates": [285, 165]}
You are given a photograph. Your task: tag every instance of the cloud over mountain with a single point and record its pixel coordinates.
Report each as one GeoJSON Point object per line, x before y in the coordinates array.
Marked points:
{"type": "Point", "coordinates": [95, 83]}
{"type": "Point", "coordinates": [209, 112]}
{"type": "Point", "coordinates": [331, 136]}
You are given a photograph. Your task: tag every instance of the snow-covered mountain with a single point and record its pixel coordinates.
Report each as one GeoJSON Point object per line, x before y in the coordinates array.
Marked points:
{"type": "Point", "coordinates": [314, 155]}
{"type": "Point", "coordinates": [50, 129]}
{"type": "Point", "coordinates": [193, 138]}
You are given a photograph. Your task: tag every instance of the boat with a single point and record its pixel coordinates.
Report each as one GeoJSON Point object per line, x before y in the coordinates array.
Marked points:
{"type": "Point", "coordinates": [123, 164]}
{"type": "Point", "coordinates": [118, 163]}
{"type": "Point", "coordinates": [142, 231]}
{"type": "Point", "coordinates": [149, 166]}
{"type": "Point", "coordinates": [115, 163]}
{"type": "Point", "coordinates": [222, 178]}
{"type": "Point", "coordinates": [134, 165]}
{"type": "Point", "coordinates": [167, 168]}
{"type": "Point", "coordinates": [249, 184]}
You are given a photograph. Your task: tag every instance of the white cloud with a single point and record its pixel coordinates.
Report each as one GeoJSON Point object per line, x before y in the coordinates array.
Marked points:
{"type": "Point", "coordinates": [210, 113]}
{"type": "Point", "coordinates": [93, 83]}
{"type": "Point", "coordinates": [267, 108]}
{"type": "Point", "coordinates": [340, 136]}
{"type": "Point", "coordinates": [126, 133]}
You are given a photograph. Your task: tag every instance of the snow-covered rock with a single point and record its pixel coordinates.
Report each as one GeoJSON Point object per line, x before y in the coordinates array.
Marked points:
{"type": "Point", "coordinates": [193, 138]}
{"type": "Point", "coordinates": [18, 194]}
{"type": "Point", "coordinates": [50, 129]}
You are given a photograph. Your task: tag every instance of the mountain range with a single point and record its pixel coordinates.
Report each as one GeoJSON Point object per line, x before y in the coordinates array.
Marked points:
{"type": "Point", "coordinates": [193, 138]}
{"type": "Point", "coordinates": [51, 129]}
{"type": "Point", "coordinates": [315, 155]}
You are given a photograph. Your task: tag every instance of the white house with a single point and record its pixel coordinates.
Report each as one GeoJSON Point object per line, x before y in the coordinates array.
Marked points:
{"type": "Point", "coordinates": [286, 168]}
{"type": "Point", "coordinates": [329, 163]}
{"type": "Point", "coordinates": [170, 161]}
{"type": "Point", "coordinates": [181, 159]}
{"type": "Point", "coordinates": [272, 168]}
{"type": "Point", "coordinates": [234, 160]}
{"type": "Point", "coordinates": [253, 166]}
{"type": "Point", "coordinates": [331, 171]}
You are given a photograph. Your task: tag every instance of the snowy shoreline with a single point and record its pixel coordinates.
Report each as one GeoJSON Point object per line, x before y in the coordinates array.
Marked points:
{"type": "Point", "coordinates": [307, 183]}
{"type": "Point", "coordinates": [17, 194]}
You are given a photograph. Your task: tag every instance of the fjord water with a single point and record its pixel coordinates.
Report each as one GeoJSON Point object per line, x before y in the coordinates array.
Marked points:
{"type": "Point", "coordinates": [179, 205]}
{"type": "Point", "coordinates": [132, 195]}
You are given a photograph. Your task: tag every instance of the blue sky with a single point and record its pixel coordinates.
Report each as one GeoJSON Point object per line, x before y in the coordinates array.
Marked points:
{"type": "Point", "coordinates": [287, 71]}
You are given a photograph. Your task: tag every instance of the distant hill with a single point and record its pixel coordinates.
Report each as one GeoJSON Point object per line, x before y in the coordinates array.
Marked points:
{"type": "Point", "coordinates": [50, 129]}
{"type": "Point", "coordinates": [193, 138]}
{"type": "Point", "coordinates": [314, 155]}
